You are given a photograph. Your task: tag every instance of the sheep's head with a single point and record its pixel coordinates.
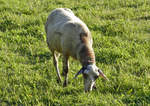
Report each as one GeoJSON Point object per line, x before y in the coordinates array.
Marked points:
{"type": "Point", "coordinates": [90, 74]}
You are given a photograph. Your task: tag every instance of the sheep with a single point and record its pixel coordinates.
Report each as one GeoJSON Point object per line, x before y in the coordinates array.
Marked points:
{"type": "Point", "coordinates": [68, 35]}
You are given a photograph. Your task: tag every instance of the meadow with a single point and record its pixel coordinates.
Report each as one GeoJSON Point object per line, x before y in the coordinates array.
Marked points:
{"type": "Point", "coordinates": [121, 35]}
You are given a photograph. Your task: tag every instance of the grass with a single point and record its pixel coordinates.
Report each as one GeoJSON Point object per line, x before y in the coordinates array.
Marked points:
{"type": "Point", "coordinates": [121, 34]}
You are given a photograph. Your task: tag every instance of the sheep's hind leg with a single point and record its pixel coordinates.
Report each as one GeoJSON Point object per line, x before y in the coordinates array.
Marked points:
{"type": "Point", "coordinates": [65, 70]}
{"type": "Point", "coordinates": [55, 61]}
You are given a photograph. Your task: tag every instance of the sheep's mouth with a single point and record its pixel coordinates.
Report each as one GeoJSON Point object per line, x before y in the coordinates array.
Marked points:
{"type": "Point", "coordinates": [90, 87]}
{"type": "Point", "coordinates": [94, 87]}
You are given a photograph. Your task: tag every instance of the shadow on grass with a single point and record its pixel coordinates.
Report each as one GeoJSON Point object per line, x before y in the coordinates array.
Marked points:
{"type": "Point", "coordinates": [33, 57]}
{"type": "Point", "coordinates": [39, 58]}
{"type": "Point", "coordinates": [144, 18]}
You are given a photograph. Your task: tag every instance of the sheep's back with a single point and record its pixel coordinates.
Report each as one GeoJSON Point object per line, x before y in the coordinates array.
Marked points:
{"type": "Point", "coordinates": [63, 30]}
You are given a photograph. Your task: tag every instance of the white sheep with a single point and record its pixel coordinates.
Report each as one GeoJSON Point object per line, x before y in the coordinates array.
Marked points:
{"type": "Point", "coordinates": [68, 35]}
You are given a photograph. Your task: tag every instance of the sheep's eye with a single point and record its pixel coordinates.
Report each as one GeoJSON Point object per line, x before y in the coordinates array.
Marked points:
{"type": "Point", "coordinates": [95, 77]}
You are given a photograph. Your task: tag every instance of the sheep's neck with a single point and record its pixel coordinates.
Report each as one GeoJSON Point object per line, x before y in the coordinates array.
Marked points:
{"type": "Point", "coordinates": [87, 55]}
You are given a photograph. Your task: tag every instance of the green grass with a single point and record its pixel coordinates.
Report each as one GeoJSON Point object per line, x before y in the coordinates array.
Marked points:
{"type": "Point", "coordinates": [121, 34]}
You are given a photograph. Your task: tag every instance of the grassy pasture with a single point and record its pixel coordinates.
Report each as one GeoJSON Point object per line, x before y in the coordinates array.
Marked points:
{"type": "Point", "coordinates": [121, 34]}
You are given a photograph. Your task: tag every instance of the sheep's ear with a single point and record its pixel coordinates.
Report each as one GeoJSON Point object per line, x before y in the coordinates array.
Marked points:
{"type": "Point", "coordinates": [79, 72]}
{"type": "Point", "coordinates": [101, 74]}
{"type": "Point", "coordinates": [86, 71]}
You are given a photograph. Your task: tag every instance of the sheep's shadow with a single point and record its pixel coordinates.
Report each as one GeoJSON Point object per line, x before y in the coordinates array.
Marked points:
{"type": "Point", "coordinates": [39, 58]}
{"type": "Point", "coordinates": [33, 58]}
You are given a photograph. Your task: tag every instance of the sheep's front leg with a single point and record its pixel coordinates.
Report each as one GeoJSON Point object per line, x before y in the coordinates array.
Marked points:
{"type": "Point", "coordinates": [65, 70]}
{"type": "Point", "coordinates": [55, 61]}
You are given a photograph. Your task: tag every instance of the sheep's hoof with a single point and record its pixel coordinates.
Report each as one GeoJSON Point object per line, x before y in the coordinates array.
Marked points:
{"type": "Point", "coordinates": [59, 81]}
{"type": "Point", "coordinates": [63, 73]}
{"type": "Point", "coordinates": [65, 84]}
